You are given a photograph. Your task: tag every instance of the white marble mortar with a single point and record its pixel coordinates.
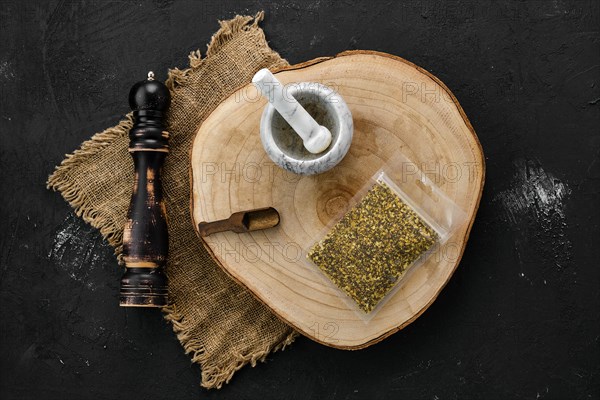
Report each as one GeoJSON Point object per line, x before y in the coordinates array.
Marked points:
{"type": "Point", "coordinates": [286, 148]}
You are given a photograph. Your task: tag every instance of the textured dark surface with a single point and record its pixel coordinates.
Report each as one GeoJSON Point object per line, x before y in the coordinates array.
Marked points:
{"type": "Point", "coordinates": [520, 317]}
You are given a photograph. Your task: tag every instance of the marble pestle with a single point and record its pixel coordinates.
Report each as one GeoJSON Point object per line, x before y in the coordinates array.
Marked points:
{"type": "Point", "coordinates": [316, 138]}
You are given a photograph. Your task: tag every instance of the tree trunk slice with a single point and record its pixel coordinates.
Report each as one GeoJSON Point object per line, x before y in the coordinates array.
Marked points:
{"type": "Point", "coordinates": [396, 107]}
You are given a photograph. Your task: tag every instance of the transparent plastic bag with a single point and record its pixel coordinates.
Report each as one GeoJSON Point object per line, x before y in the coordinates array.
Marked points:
{"type": "Point", "coordinates": [396, 222]}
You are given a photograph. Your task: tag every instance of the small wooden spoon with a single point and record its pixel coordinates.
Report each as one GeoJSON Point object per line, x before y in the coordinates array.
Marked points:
{"type": "Point", "coordinates": [242, 221]}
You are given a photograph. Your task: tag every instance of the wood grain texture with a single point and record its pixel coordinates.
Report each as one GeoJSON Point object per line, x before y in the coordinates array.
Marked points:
{"type": "Point", "coordinates": [509, 63]}
{"type": "Point", "coordinates": [396, 106]}
{"type": "Point", "coordinates": [146, 235]}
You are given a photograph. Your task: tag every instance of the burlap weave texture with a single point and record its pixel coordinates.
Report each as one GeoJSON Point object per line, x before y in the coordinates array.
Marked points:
{"type": "Point", "coordinates": [219, 323]}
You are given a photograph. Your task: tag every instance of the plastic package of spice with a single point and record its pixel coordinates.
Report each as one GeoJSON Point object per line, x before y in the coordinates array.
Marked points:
{"type": "Point", "coordinates": [393, 225]}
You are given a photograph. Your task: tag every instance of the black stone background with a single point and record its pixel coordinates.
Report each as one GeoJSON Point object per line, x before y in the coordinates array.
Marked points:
{"type": "Point", "coordinates": [519, 318]}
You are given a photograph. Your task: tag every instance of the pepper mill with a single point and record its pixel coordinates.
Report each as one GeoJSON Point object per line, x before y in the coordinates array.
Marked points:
{"type": "Point", "coordinates": [145, 237]}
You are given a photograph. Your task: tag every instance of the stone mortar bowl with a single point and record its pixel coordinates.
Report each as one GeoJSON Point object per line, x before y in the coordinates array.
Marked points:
{"type": "Point", "coordinates": [284, 146]}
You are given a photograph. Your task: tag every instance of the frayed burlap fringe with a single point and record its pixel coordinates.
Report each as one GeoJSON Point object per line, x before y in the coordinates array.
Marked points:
{"type": "Point", "coordinates": [231, 28]}
{"type": "Point", "coordinates": [219, 352]}
{"type": "Point", "coordinates": [59, 181]}
{"type": "Point", "coordinates": [227, 32]}
{"type": "Point", "coordinates": [214, 376]}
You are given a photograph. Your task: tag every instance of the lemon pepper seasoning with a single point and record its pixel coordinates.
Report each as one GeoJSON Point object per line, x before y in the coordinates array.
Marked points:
{"type": "Point", "coordinates": [372, 246]}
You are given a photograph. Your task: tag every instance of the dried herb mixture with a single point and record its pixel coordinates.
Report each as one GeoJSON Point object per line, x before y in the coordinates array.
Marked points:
{"type": "Point", "coordinates": [372, 246]}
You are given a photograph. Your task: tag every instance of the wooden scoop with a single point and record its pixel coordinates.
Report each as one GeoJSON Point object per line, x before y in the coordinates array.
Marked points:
{"type": "Point", "coordinates": [242, 221]}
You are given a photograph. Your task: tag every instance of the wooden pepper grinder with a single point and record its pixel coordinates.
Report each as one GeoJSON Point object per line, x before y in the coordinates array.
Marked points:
{"type": "Point", "coordinates": [145, 237]}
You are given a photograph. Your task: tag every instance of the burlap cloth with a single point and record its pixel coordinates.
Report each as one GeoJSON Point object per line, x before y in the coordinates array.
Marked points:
{"type": "Point", "coordinates": [219, 323]}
